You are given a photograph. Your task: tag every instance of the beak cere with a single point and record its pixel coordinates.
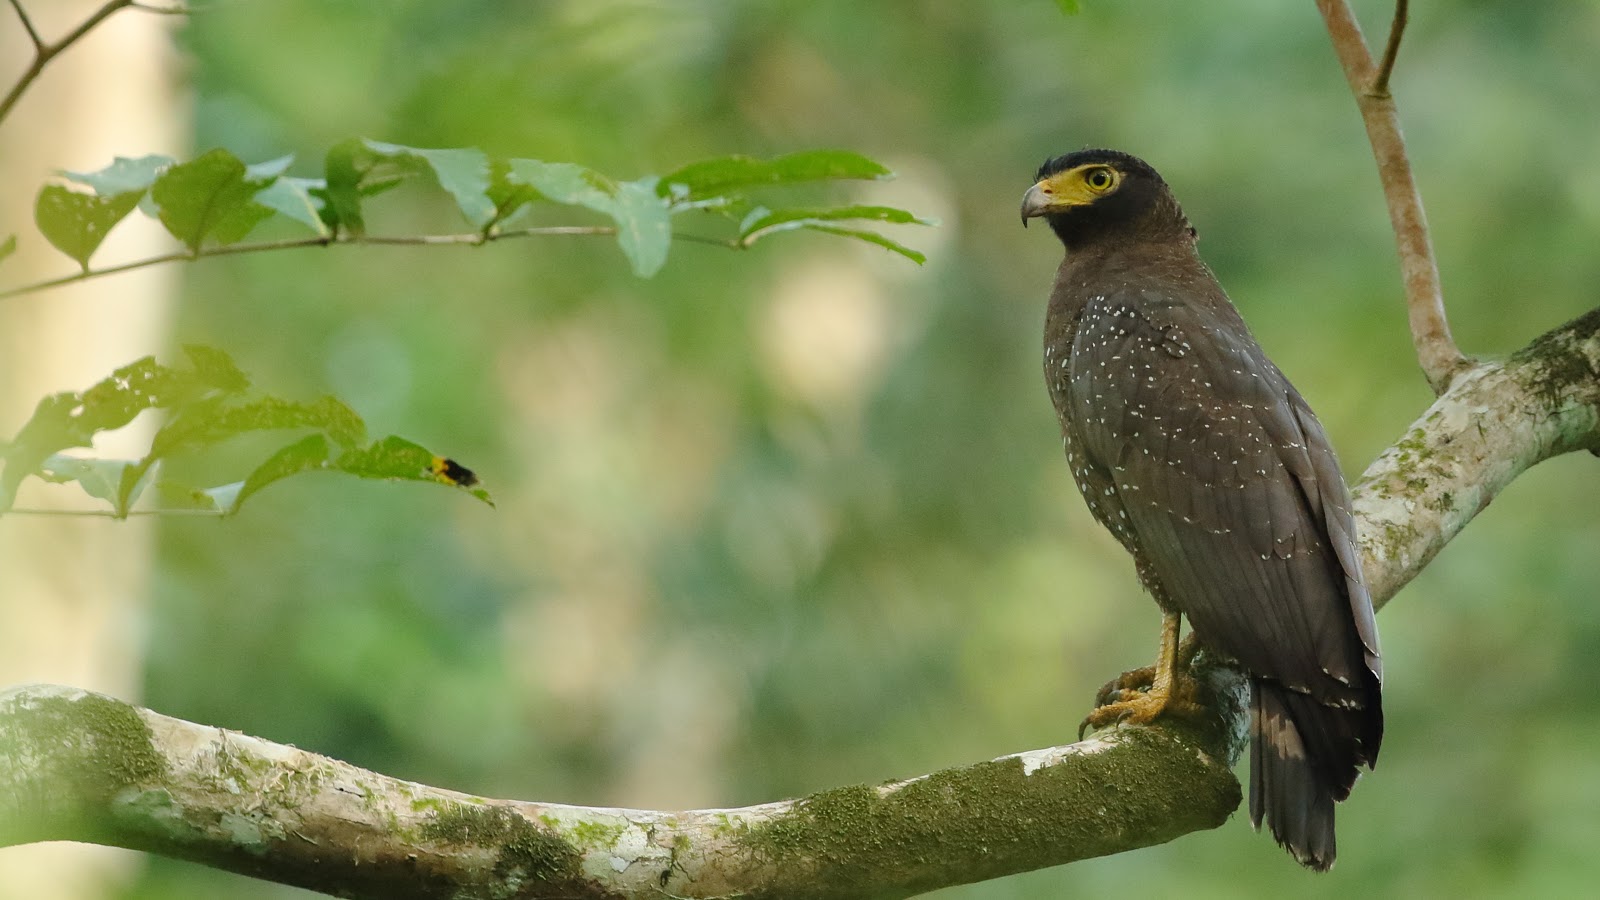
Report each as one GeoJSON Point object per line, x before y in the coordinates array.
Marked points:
{"type": "Point", "coordinates": [1036, 202]}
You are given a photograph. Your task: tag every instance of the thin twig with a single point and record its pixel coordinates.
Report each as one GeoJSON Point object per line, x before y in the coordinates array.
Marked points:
{"type": "Point", "coordinates": [43, 52]}
{"type": "Point", "coordinates": [1436, 350]}
{"type": "Point", "coordinates": [1391, 50]}
{"type": "Point", "coordinates": [113, 514]}
{"type": "Point", "coordinates": [27, 25]}
{"type": "Point", "coordinates": [470, 239]}
{"type": "Point", "coordinates": [157, 260]}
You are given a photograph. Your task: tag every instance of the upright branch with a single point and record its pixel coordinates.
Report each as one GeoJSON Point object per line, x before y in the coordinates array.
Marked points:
{"type": "Point", "coordinates": [1391, 49]}
{"type": "Point", "coordinates": [1441, 361]}
{"type": "Point", "coordinates": [27, 25]}
{"type": "Point", "coordinates": [43, 52]}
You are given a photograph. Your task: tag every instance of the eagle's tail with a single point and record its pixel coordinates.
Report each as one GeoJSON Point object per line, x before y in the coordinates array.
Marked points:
{"type": "Point", "coordinates": [1304, 756]}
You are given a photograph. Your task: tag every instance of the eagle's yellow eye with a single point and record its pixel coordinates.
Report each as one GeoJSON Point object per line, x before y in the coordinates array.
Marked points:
{"type": "Point", "coordinates": [1100, 180]}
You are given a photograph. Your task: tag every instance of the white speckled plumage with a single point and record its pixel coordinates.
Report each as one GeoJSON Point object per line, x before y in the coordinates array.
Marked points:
{"type": "Point", "coordinates": [1242, 520]}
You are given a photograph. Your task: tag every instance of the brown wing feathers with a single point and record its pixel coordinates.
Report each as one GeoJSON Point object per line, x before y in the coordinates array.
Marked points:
{"type": "Point", "coordinates": [1227, 493]}
{"type": "Point", "coordinates": [1199, 455]}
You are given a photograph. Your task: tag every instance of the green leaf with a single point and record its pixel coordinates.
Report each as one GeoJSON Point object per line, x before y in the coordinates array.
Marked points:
{"type": "Point", "coordinates": [346, 165]}
{"type": "Point", "coordinates": [1068, 7]}
{"type": "Point", "coordinates": [714, 176]}
{"type": "Point", "coordinates": [395, 458]}
{"type": "Point", "coordinates": [123, 175]}
{"type": "Point", "coordinates": [215, 370]}
{"type": "Point", "coordinates": [223, 498]}
{"type": "Point", "coordinates": [567, 183]}
{"type": "Point", "coordinates": [72, 419]}
{"type": "Point", "coordinates": [765, 220]}
{"type": "Point", "coordinates": [217, 419]}
{"type": "Point", "coordinates": [507, 195]}
{"type": "Point", "coordinates": [353, 172]}
{"type": "Point", "coordinates": [8, 247]}
{"type": "Point", "coordinates": [644, 224]}
{"type": "Point", "coordinates": [860, 234]}
{"type": "Point", "coordinates": [75, 223]}
{"type": "Point", "coordinates": [462, 172]}
{"type": "Point", "coordinates": [212, 420]}
{"type": "Point", "coordinates": [761, 223]}
{"type": "Point", "coordinates": [310, 453]}
{"type": "Point", "coordinates": [391, 459]}
{"type": "Point", "coordinates": [209, 404]}
{"type": "Point", "coordinates": [871, 237]}
{"type": "Point", "coordinates": [211, 196]}
{"type": "Point", "coordinates": [272, 168]}
{"type": "Point", "coordinates": [99, 478]}
{"type": "Point", "coordinates": [204, 421]}
{"type": "Point", "coordinates": [293, 197]}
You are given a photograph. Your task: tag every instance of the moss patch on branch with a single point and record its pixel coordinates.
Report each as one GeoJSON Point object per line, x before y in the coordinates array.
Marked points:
{"type": "Point", "coordinates": [982, 821]}
{"type": "Point", "coordinates": [101, 745]}
{"type": "Point", "coordinates": [530, 861]}
{"type": "Point", "coordinates": [63, 754]}
{"type": "Point", "coordinates": [1557, 362]}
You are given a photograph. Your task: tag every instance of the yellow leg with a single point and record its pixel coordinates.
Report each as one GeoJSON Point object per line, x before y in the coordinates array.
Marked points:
{"type": "Point", "coordinates": [1164, 689]}
{"type": "Point", "coordinates": [1140, 679]}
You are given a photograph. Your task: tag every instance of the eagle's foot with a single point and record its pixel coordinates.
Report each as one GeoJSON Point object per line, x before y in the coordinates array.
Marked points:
{"type": "Point", "coordinates": [1135, 698]}
{"type": "Point", "coordinates": [1125, 686]}
{"type": "Point", "coordinates": [1128, 684]}
{"type": "Point", "coordinates": [1142, 706]}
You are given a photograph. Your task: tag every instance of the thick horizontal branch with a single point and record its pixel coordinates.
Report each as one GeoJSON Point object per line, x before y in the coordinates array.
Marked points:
{"type": "Point", "coordinates": [468, 239]}
{"type": "Point", "coordinates": [80, 766]}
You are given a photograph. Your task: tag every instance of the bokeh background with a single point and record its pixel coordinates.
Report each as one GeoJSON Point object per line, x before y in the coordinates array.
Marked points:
{"type": "Point", "coordinates": [788, 519]}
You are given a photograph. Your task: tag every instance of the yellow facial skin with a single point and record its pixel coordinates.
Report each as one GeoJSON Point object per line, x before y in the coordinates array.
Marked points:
{"type": "Point", "coordinates": [1080, 186]}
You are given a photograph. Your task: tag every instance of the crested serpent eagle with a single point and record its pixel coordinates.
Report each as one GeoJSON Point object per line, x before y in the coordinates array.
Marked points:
{"type": "Point", "coordinates": [1208, 466]}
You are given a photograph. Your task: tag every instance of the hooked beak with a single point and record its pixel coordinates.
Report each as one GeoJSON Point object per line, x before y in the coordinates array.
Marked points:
{"type": "Point", "coordinates": [1036, 202]}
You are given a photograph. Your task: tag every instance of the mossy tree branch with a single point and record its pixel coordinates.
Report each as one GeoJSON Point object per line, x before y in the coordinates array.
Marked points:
{"type": "Point", "coordinates": [1498, 419]}
{"type": "Point", "coordinates": [80, 766]}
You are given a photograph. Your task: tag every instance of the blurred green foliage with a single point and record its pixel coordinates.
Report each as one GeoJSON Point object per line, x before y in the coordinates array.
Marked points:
{"type": "Point", "coordinates": [207, 402]}
{"type": "Point", "coordinates": [787, 519]}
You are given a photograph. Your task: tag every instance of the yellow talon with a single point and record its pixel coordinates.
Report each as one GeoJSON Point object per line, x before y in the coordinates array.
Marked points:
{"type": "Point", "coordinates": [1156, 690]}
